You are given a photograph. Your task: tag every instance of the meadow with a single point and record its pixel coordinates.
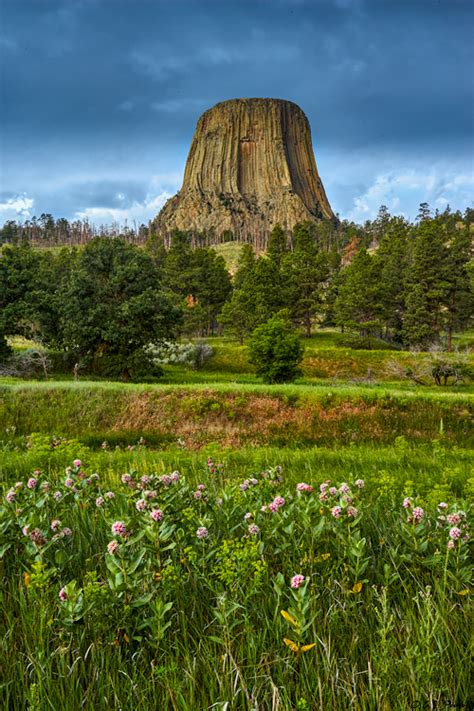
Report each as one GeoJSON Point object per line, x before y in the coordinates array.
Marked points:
{"type": "Point", "coordinates": [231, 545]}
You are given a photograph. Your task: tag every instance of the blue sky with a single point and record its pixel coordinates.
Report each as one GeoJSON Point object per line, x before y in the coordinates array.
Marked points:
{"type": "Point", "coordinates": [100, 98]}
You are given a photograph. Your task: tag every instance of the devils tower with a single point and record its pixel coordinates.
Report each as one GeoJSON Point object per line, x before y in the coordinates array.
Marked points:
{"type": "Point", "coordinates": [250, 166]}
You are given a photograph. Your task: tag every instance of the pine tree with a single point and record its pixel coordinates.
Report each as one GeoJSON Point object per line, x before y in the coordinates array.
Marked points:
{"type": "Point", "coordinates": [358, 305]}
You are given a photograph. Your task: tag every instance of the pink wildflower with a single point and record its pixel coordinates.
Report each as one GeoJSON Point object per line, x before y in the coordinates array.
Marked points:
{"type": "Point", "coordinates": [451, 545]}
{"type": "Point", "coordinates": [273, 507]}
{"type": "Point", "coordinates": [69, 483]}
{"type": "Point", "coordinates": [304, 487]}
{"type": "Point", "coordinates": [110, 495]}
{"type": "Point", "coordinates": [197, 495]}
{"type": "Point", "coordinates": [202, 532]}
{"type": "Point", "coordinates": [45, 486]}
{"type": "Point", "coordinates": [279, 501]}
{"type": "Point", "coordinates": [31, 483]}
{"type": "Point", "coordinates": [126, 478]}
{"type": "Point", "coordinates": [100, 501]}
{"type": "Point", "coordinates": [63, 595]}
{"type": "Point", "coordinates": [455, 533]}
{"type": "Point", "coordinates": [360, 483]}
{"type": "Point", "coordinates": [453, 519]}
{"type": "Point", "coordinates": [156, 514]}
{"type": "Point", "coordinates": [140, 505]}
{"type": "Point", "coordinates": [253, 529]}
{"type": "Point", "coordinates": [57, 496]}
{"type": "Point", "coordinates": [166, 480]}
{"type": "Point", "coordinates": [55, 525]}
{"type": "Point", "coordinates": [418, 514]}
{"type": "Point", "coordinates": [119, 528]}
{"type": "Point", "coordinates": [323, 497]}
{"type": "Point", "coordinates": [25, 529]}
{"type": "Point", "coordinates": [352, 511]}
{"type": "Point", "coordinates": [442, 505]}
{"type": "Point", "coordinates": [145, 479]}
{"type": "Point", "coordinates": [323, 487]}
{"type": "Point", "coordinates": [333, 491]}
{"type": "Point", "coordinates": [344, 488]}
{"type": "Point", "coordinates": [406, 503]}
{"type": "Point", "coordinates": [253, 481]}
{"type": "Point", "coordinates": [248, 516]}
{"type": "Point", "coordinates": [66, 532]}
{"type": "Point", "coordinates": [201, 487]}
{"type": "Point", "coordinates": [10, 497]}
{"type": "Point", "coordinates": [297, 581]}
{"type": "Point", "coordinates": [77, 463]}
{"type": "Point", "coordinates": [336, 511]}
{"type": "Point", "coordinates": [175, 476]}
{"type": "Point", "coordinates": [37, 537]}
{"type": "Point", "coordinates": [112, 547]}
{"type": "Point", "coordinates": [245, 485]}
{"type": "Point", "coordinates": [264, 508]}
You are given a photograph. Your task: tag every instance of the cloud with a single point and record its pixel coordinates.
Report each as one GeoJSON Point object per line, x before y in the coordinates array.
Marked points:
{"type": "Point", "coordinates": [139, 212]}
{"type": "Point", "coordinates": [409, 189]}
{"type": "Point", "coordinates": [16, 207]}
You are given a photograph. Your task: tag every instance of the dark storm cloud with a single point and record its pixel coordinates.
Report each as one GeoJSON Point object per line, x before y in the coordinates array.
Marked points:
{"type": "Point", "coordinates": [102, 95]}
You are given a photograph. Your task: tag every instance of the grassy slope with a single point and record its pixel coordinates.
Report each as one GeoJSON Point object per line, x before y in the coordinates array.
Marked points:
{"type": "Point", "coordinates": [230, 416]}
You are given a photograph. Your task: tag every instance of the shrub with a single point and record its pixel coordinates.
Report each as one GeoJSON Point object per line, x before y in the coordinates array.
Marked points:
{"type": "Point", "coordinates": [192, 355]}
{"type": "Point", "coordinates": [276, 351]}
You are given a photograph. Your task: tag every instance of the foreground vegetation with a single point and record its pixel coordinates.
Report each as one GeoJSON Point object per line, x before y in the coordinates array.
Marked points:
{"type": "Point", "coordinates": [235, 586]}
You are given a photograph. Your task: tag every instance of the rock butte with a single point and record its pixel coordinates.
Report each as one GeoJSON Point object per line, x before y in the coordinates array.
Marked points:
{"type": "Point", "coordinates": [251, 166]}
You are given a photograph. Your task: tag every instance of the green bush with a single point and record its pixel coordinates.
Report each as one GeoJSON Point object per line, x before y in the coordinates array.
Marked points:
{"type": "Point", "coordinates": [276, 351]}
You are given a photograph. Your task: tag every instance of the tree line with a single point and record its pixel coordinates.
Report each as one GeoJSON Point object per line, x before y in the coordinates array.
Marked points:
{"type": "Point", "coordinates": [408, 284]}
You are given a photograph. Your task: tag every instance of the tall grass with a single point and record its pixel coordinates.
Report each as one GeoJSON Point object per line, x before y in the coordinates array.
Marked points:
{"type": "Point", "coordinates": [165, 619]}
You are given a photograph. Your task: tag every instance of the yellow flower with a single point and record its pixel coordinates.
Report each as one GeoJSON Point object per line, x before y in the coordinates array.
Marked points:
{"type": "Point", "coordinates": [298, 648]}
{"type": "Point", "coordinates": [286, 615]}
{"type": "Point", "coordinates": [27, 579]}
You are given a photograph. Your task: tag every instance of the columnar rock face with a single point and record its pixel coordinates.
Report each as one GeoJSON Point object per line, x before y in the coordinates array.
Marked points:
{"type": "Point", "coordinates": [251, 165]}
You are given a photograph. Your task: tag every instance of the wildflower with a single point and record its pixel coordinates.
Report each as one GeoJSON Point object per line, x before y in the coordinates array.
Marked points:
{"type": "Point", "coordinates": [406, 503]}
{"type": "Point", "coordinates": [273, 507]}
{"type": "Point", "coordinates": [253, 481]}
{"type": "Point", "coordinates": [418, 514]}
{"type": "Point", "coordinates": [304, 487]}
{"type": "Point", "coordinates": [25, 529]}
{"type": "Point", "coordinates": [323, 497]}
{"type": "Point", "coordinates": [245, 485]}
{"type": "Point", "coordinates": [18, 484]}
{"type": "Point", "coordinates": [156, 514]}
{"type": "Point", "coordinates": [451, 545]}
{"type": "Point", "coordinates": [347, 499]}
{"type": "Point", "coordinates": [264, 508]}
{"type": "Point", "coordinates": [175, 476]}
{"type": "Point", "coordinates": [344, 488]}
{"type": "Point", "coordinates": [77, 463]}
{"type": "Point", "coordinates": [202, 532]}
{"type": "Point", "coordinates": [323, 487]}
{"type": "Point", "coordinates": [333, 491]}
{"type": "Point", "coordinates": [443, 505]}
{"type": "Point", "coordinates": [150, 494]}
{"type": "Point", "coordinates": [126, 478]}
{"type": "Point", "coordinates": [57, 496]}
{"type": "Point", "coordinates": [248, 516]}
{"type": "Point", "coordinates": [37, 537]}
{"type": "Point", "coordinates": [100, 501]}
{"type": "Point", "coordinates": [455, 533]}
{"type": "Point", "coordinates": [219, 501]}
{"type": "Point", "coordinates": [201, 487]}
{"type": "Point", "coordinates": [279, 501]}
{"type": "Point", "coordinates": [145, 479]}
{"type": "Point", "coordinates": [110, 494]}
{"type": "Point", "coordinates": [66, 532]}
{"type": "Point", "coordinates": [453, 519]}
{"type": "Point", "coordinates": [119, 528]}
{"type": "Point", "coordinates": [55, 525]}
{"type": "Point", "coordinates": [10, 496]}
{"type": "Point", "coordinates": [360, 483]}
{"type": "Point", "coordinates": [69, 483]}
{"type": "Point", "coordinates": [336, 511]}
{"type": "Point", "coordinates": [352, 511]}
{"type": "Point", "coordinates": [45, 486]}
{"type": "Point", "coordinates": [197, 495]}
{"type": "Point", "coordinates": [88, 482]}
{"type": "Point", "coordinates": [253, 529]}
{"type": "Point", "coordinates": [140, 505]}
{"type": "Point", "coordinates": [166, 480]}
{"type": "Point", "coordinates": [31, 483]}
{"type": "Point", "coordinates": [112, 547]}
{"type": "Point", "coordinates": [297, 581]}
{"type": "Point", "coordinates": [63, 595]}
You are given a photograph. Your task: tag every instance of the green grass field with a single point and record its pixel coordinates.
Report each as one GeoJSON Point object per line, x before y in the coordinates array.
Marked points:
{"type": "Point", "coordinates": [128, 590]}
